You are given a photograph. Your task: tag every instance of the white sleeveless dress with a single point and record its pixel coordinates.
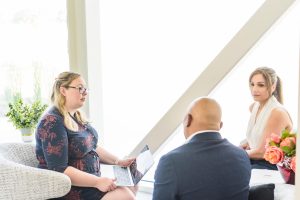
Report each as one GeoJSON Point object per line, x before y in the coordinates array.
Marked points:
{"type": "Point", "coordinates": [255, 129]}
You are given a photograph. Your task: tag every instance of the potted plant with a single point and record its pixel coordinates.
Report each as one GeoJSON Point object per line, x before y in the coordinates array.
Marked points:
{"type": "Point", "coordinates": [25, 116]}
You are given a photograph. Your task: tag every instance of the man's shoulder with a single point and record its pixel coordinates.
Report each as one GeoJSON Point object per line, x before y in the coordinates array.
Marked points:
{"type": "Point", "coordinates": [235, 148]}
{"type": "Point", "coordinates": [187, 148]}
{"type": "Point", "coordinates": [173, 153]}
{"type": "Point", "coordinates": [177, 153]}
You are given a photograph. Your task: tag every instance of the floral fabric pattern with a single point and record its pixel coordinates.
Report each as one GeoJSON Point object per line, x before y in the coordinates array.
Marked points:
{"type": "Point", "coordinates": [57, 147]}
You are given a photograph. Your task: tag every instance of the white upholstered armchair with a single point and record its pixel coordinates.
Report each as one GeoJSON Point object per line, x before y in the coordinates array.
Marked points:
{"type": "Point", "coordinates": [20, 179]}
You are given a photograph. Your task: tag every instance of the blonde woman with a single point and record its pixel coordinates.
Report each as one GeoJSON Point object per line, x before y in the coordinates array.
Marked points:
{"type": "Point", "coordinates": [67, 143]}
{"type": "Point", "coordinates": [267, 115]}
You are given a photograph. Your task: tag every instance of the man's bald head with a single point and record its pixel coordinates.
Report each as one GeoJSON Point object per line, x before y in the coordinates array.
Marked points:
{"type": "Point", "coordinates": [203, 114]}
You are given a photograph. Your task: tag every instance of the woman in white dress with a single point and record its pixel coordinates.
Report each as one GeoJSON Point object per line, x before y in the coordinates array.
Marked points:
{"type": "Point", "coordinates": [267, 115]}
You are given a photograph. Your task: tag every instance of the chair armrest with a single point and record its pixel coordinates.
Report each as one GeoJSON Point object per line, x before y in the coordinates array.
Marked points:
{"type": "Point", "coordinates": [22, 153]}
{"type": "Point", "coordinates": [18, 181]}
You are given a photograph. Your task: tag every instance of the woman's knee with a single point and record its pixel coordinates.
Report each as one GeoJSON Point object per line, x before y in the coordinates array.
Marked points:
{"type": "Point", "coordinates": [123, 193]}
{"type": "Point", "coordinates": [130, 195]}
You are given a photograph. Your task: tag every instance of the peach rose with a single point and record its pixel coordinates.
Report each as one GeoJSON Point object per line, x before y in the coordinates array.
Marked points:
{"type": "Point", "coordinates": [275, 138]}
{"type": "Point", "coordinates": [273, 154]}
{"type": "Point", "coordinates": [293, 164]}
{"type": "Point", "coordinates": [288, 142]}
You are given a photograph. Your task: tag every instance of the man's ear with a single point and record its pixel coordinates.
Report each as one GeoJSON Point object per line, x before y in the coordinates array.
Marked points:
{"type": "Point", "coordinates": [188, 120]}
{"type": "Point", "coordinates": [221, 125]}
{"type": "Point", "coordinates": [62, 91]}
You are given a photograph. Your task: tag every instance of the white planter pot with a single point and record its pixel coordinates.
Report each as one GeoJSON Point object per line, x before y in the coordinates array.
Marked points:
{"type": "Point", "coordinates": [27, 134]}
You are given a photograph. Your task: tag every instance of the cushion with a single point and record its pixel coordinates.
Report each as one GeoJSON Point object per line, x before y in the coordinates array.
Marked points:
{"type": "Point", "coordinates": [262, 192]}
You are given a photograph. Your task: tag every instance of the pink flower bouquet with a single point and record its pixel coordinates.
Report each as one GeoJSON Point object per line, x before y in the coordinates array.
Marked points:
{"type": "Point", "coordinates": [282, 152]}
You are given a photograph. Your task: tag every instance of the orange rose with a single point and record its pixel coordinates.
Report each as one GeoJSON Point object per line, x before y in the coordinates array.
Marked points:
{"type": "Point", "coordinates": [293, 164]}
{"type": "Point", "coordinates": [273, 154]}
{"type": "Point", "coordinates": [288, 142]}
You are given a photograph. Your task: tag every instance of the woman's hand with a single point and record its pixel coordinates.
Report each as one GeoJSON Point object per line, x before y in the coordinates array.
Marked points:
{"type": "Point", "coordinates": [125, 162]}
{"type": "Point", "coordinates": [245, 146]}
{"type": "Point", "coordinates": [105, 184]}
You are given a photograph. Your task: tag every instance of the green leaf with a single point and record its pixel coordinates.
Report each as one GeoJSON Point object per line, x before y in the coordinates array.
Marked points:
{"type": "Point", "coordinates": [286, 149]}
{"type": "Point", "coordinates": [272, 143]}
{"type": "Point", "coordinates": [284, 134]}
{"type": "Point", "coordinates": [25, 115]}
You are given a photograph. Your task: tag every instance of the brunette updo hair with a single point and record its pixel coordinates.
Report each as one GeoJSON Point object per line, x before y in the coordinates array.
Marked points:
{"type": "Point", "coordinates": [271, 78]}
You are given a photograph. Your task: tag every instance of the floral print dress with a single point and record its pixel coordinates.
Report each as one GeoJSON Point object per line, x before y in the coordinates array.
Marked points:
{"type": "Point", "coordinates": [57, 147]}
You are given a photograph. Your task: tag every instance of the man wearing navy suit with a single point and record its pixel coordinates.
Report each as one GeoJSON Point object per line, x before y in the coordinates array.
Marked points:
{"type": "Point", "coordinates": [206, 167]}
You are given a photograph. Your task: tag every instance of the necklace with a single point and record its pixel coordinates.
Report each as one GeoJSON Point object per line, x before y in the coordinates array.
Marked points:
{"type": "Point", "coordinates": [79, 125]}
{"type": "Point", "coordinates": [73, 118]}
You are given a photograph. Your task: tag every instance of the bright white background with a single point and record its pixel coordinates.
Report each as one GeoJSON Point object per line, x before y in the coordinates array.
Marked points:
{"type": "Point", "coordinates": [152, 51]}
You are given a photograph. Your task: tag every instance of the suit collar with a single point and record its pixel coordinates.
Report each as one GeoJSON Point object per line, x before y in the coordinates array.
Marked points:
{"type": "Point", "coordinates": [204, 135]}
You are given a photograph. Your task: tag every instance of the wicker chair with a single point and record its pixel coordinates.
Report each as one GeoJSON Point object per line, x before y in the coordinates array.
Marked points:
{"type": "Point", "coordinates": [20, 179]}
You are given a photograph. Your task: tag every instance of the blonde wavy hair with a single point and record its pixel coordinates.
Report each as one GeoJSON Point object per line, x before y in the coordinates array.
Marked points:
{"type": "Point", "coordinates": [64, 79]}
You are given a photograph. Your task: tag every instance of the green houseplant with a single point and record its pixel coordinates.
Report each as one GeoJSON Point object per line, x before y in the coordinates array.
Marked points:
{"type": "Point", "coordinates": [25, 116]}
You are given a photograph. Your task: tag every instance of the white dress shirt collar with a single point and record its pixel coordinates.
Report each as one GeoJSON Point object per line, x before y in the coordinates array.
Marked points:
{"type": "Point", "coordinates": [196, 133]}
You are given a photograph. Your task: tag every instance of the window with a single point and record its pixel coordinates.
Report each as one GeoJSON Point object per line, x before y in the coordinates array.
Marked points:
{"type": "Point", "coordinates": [33, 51]}
{"type": "Point", "coordinates": [233, 93]}
{"type": "Point", "coordinates": [151, 52]}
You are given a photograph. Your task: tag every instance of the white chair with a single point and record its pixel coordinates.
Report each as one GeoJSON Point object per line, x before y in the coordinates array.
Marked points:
{"type": "Point", "coordinates": [20, 179]}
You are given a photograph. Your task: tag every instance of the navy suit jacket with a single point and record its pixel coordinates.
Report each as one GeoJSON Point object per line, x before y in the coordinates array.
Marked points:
{"type": "Point", "coordinates": [206, 168]}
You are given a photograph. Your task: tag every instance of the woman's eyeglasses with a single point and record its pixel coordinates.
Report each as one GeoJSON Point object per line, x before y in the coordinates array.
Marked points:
{"type": "Point", "coordinates": [82, 90]}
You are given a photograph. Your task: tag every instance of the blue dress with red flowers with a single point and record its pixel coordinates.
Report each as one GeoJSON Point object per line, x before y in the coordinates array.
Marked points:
{"type": "Point", "coordinates": [58, 147]}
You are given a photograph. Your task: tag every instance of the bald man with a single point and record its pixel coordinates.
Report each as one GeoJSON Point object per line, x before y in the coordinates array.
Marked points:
{"type": "Point", "coordinates": [206, 167]}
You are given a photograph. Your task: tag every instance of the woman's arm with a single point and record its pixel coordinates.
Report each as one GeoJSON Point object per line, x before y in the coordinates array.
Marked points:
{"type": "Point", "coordinates": [108, 158]}
{"type": "Point", "coordinates": [279, 120]}
{"type": "Point", "coordinates": [244, 145]}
